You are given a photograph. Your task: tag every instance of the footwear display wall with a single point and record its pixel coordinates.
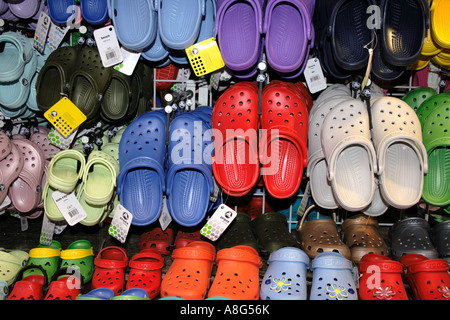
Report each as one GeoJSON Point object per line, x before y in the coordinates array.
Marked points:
{"type": "Point", "coordinates": [224, 150]}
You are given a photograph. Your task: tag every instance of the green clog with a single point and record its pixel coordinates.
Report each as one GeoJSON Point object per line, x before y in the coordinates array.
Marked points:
{"type": "Point", "coordinates": [415, 97]}
{"type": "Point", "coordinates": [10, 264]}
{"type": "Point", "coordinates": [47, 257]}
{"type": "Point", "coordinates": [79, 254]}
{"type": "Point", "coordinates": [271, 230]}
{"type": "Point", "coordinates": [427, 106]}
{"type": "Point", "coordinates": [436, 139]}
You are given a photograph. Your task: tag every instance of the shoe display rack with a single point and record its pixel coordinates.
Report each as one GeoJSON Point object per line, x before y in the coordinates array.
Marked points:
{"type": "Point", "coordinates": [201, 150]}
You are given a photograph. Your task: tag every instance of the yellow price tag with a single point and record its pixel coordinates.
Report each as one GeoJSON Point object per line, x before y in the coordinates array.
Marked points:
{"type": "Point", "coordinates": [205, 57]}
{"type": "Point", "coordinates": [65, 116]}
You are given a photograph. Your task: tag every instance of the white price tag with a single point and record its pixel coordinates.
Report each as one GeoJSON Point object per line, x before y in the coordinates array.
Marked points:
{"type": "Point", "coordinates": [314, 76]}
{"type": "Point", "coordinates": [120, 224]}
{"type": "Point", "coordinates": [108, 46]}
{"type": "Point", "coordinates": [219, 221]}
{"type": "Point", "coordinates": [130, 60]}
{"type": "Point", "coordinates": [69, 206]}
{"type": "Point", "coordinates": [40, 34]}
{"type": "Point", "coordinates": [165, 218]}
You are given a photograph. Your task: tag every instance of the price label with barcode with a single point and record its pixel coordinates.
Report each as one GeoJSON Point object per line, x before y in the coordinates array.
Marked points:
{"type": "Point", "coordinates": [108, 46]}
{"type": "Point", "coordinates": [69, 206]}
{"type": "Point", "coordinates": [314, 77]}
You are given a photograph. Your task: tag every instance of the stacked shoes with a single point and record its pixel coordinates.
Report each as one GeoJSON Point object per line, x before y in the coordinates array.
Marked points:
{"type": "Point", "coordinates": [247, 29]}
{"type": "Point", "coordinates": [365, 162]}
{"type": "Point", "coordinates": [179, 169]}
{"type": "Point", "coordinates": [23, 166]}
{"type": "Point", "coordinates": [161, 30]}
{"type": "Point", "coordinates": [19, 62]}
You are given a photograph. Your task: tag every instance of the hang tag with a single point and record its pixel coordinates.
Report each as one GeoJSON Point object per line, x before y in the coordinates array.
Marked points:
{"type": "Point", "coordinates": [219, 221]}
{"type": "Point", "coordinates": [215, 194]}
{"type": "Point", "coordinates": [47, 231]}
{"type": "Point", "coordinates": [69, 206]}
{"type": "Point", "coordinates": [65, 116]}
{"type": "Point", "coordinates": [165, 218]}
{"type": "Point", "coordinates": [55, 36]}
{"type": "Point", "coordinates": [57, 139]}
{"type": "Point", "coordinates": [130, 60]}
{"type": "Point", "coordinates": [120, 224]}
{"type": "Point", "coordinates": [314, 76]}
{"type": "Point", "coordinates": [5, 203]}
{"type": "Point", "coordinates": [305, 199]}
{"type": "Point", "coordinates": [205, 57]}
{"type": "Point", "coordinates": [108, 46]}
{"type": "Point", "coordinates": [41, 32]}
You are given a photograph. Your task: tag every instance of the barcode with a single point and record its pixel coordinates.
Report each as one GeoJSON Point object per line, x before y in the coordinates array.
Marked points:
{"type": "Point", "coordinates": [110, 55]}
{"type": "Point", "coordinates": [314, 78]}
{"type": "Point", "coordinates": [72, 213]}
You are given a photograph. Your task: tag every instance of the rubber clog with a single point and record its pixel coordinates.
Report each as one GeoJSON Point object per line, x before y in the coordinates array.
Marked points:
{"type": "Point", "coordinates": [272, 233]}
{"type": "Point", "coordinates": [47, 257]}
{"type": "Point", "coordinates": [15, 94]}
{"type": "Point", "coordinates": [142, 152]}
{"type": "Point", "coordinates": [283, 150]}
{"type": "Point", "coordinates": [411, 235]}
{"type": "Point", "coordinates": [350, 155]}
{"type": "Point", "coordinates": [29, 287]}
{"type": "Point", "coordinates": [145, 272]}
{"type": "Point", "coordinates": [401, 155]}
{"type": "Point", "coordinates": [135, 29]}
{"type": "Point", "coordinates": [53, 78]}
{"type": "Point", "coordinates": [99, 178]}
{"type": "Point", "coordinates": [5, 145]}
{"type": "Point", "coordinates": [348, 22]}
{"type": "Point", "coordinates": [157, 239]}
{"type": "Point", "coordinates": [403, 30]}
{"type": "Point", "coordinates": [16, 54]}
{"type": "Point", "coordinates": [185, 236]}
{"type": "Point", "coordinates": [110, 264]}
{"type": "Point", "coordinates": [65, 170]}
{"type": "Point", "coordinates": [428, 278]}
{"type": "Point", "coordinates": [332, 278]}
{"type": "Point", "coordinates": [285, 47]}
{"type": "Point", "coordinates": [380, 278]}
{"type": "Point", "coordinates": [117, 99]}
{"type": "Point", "coordinates": [64, 285]}
{"type": "Point", "coordinates": [237, 276]}
{"type": "Point", "coordinates": [362, 236]}
{"type": "Point", "coordinates": [24, 9]}
{"type": "Point", "coordinates": [94, 12]}
{"type": "Point", "coordinates": [189, 180]}
{"type": "Point", "coordinates": [438, 22]}
{"type": "Point", "coordinates": [235, 159]}
{"type": "Point", "coordinates": [320, 235]}
{"type": "Point", "coordinates": [62, 11]}
{"type": "Point", "coordinates": [80, 255]}
{"type": "Point", "coordinates": [25, 192]}
{"type": "Point", "coordinates": [97, 294]}
{"type": "Point", "coordinates": [239, 29]}
{"type": "Point", "coordinates": [239, 232]}
{"type": "Point", "coordinates": [439, 236]}
{"type": "Point", "coordinates": [88, 83]}
{"type": "Point", "coordinates": [417, 96]}
{"type": "Point", "coordinates": [165, 73]}
{"type": "Point", "coordinates": [382, 69]}
{"type": "Point", "coordinates": [133, 294]}
{"type": "Point", "coordinates": [10, 264]}
{"type": "Point", "coordinates": [189, 275]}
{"type": "Point", "coordinates": [10, 169]}
{"type": "Point", "coordinates": [285, 277]}
{"type": "Point", "coordinates": [182, 32]}
{"type": "Point", "coordinates": [428, 105]}
{"type": "Point", "coordinates": [436, 139]}
{"type": "Point", "coordinates": [316, 170]}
